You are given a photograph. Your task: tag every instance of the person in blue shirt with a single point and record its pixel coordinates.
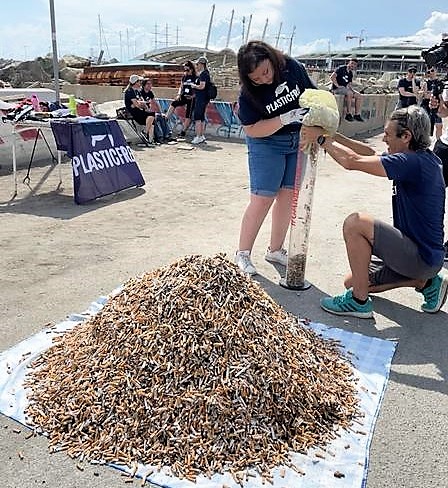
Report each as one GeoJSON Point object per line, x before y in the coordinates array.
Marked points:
{"type": "Point", "coordinates": [411, 250]}
{"type": "Point", "coordinates": [271, 84]}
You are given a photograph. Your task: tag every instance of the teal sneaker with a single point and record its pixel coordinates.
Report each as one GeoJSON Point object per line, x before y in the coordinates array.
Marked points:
{"type": "Point", "coordinates": [435, 294]}
{"type": "Point", "coordinates": [346, 305]}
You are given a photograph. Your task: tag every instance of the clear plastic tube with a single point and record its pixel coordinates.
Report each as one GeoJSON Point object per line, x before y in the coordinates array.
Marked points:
{"type": "Point", "coordinates": [301, 220]}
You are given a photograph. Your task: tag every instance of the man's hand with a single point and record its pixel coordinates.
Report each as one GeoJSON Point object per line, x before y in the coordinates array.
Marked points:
{"type": "Point", "coordinates": [295, 115]}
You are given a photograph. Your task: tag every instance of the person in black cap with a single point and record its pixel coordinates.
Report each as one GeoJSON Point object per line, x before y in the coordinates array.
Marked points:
{"type": "Point", "coordinates": [201, 99]}
{"type": "Point", "coordinates": [408, 88]}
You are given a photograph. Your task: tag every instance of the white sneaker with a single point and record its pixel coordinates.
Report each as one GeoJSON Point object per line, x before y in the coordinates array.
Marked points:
{"type": "Point", "coordinates": [280, 256]}
{"type": "Point", "coordinates": [198, 140]}
{"type": "Point", "coordinates": [242, 259]}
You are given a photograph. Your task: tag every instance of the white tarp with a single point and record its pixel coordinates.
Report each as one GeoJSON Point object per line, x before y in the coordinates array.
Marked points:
{"type": "Point", "coordinates": [347, 454]}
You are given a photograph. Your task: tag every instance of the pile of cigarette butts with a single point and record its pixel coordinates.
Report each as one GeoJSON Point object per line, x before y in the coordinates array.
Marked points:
{"type": "Point", "coordinates": [192, 366]}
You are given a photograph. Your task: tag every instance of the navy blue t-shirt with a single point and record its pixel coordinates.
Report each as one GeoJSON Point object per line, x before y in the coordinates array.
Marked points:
{"type": "Point", "coordinates": [418, 200]}
{"type": "Point", "coordinates": [202, 95]}
{"type": "Point", "coordinates": [344, 76]}
{"type": "Point", "coordinates": [275, 100]}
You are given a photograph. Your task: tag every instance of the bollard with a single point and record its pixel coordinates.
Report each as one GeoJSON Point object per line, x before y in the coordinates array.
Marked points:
{"type": "Point", "coordinates": [301, 220]}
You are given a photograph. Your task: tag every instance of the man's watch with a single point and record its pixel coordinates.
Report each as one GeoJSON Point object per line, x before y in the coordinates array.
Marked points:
{"type": "Point", "coordinates": [321, 140]}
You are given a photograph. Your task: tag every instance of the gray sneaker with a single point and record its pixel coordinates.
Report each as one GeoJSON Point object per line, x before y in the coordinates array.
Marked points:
{"type": "Point", "coordinates": [242, 259]}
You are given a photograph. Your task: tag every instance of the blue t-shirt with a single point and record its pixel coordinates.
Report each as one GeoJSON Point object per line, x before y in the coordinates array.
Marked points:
{"type": "Point", "coordinates": [202, 95]}
{"type": "Point", "coordinates": [272, 100]}
{"type": "Point", "coordinates": [418, 200]}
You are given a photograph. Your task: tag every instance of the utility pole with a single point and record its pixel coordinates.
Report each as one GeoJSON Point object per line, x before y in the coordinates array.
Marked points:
{"type": "Point", "coordinates": [248, 28]}
{"type": "Point", "coordinates": [278, 35]}
{"type": "Point", "coordinates": [290, 40]}
{"type": "Point", "coordinates": [228, 38]}
{"type": "Point", "coordinates": [264, 30]}
{"type": "Point", "coordinates": [329, 60]}
{"type": "Point", "coordinates": [156, 33]}
{"type": "Point", "coordinates": [209, 27]}
{"type": "Point", "coordinates": [55, 52]}
{"type": "Point", "coordinates": [166, 35]}
{"type": "Point", "coordinates": [242, 35]}
{"type": "Point", "coordinates": [100, 42]}
{"type": "Point", "coordinates": [127, 42]}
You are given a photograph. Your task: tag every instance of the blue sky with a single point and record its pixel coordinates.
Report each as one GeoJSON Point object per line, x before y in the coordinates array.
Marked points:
{"type": "Point", "coordinates": [129, 27]}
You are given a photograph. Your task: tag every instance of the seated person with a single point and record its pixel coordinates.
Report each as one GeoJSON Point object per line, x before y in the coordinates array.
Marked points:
{"type": "Point", "coordinates": [185, 96]}
{"type": "Point", "coordinates": [341, 80]}
{"type": "Point", "coordinates": [162, 133]}
{"type": "Point", "coordinates": [138, 108]}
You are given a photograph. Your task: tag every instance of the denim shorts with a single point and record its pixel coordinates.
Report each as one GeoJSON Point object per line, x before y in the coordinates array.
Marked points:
{"type": "Point", "coordinates": [272, 163]}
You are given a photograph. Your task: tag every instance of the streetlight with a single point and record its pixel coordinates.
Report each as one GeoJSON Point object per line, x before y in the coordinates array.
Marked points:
{"type": "Point", "coordinates": [55, 52]}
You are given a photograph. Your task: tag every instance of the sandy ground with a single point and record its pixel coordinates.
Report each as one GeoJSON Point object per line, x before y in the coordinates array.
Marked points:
{"type": "Point", "coordinates": [56, 257]}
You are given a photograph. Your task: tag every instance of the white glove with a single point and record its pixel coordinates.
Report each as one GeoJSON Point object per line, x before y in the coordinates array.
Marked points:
{"type": "Point", "coordinates": [295, 115]}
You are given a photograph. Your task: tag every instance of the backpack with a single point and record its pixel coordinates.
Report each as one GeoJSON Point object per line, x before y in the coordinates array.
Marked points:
{"type": "Point", "coordinates": [212, 91]}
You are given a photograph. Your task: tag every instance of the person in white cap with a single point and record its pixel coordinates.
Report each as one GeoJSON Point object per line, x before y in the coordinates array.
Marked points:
{"type": "Point", "coordinates": [138, 108]}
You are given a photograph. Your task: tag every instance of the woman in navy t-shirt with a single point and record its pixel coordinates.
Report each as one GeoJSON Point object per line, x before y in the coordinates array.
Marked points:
{"type": "Point", "coordinates": [271, 84]}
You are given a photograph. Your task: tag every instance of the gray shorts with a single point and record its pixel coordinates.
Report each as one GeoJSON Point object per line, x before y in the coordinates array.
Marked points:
{"type": "Point", "coordinates": [400, 259]}
{"type": "Point", "coordinates": [344, 90]}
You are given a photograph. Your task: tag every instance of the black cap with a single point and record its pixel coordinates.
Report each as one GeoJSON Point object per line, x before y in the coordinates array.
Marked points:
{"type": "Point", "coordinates": [412, 68]}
